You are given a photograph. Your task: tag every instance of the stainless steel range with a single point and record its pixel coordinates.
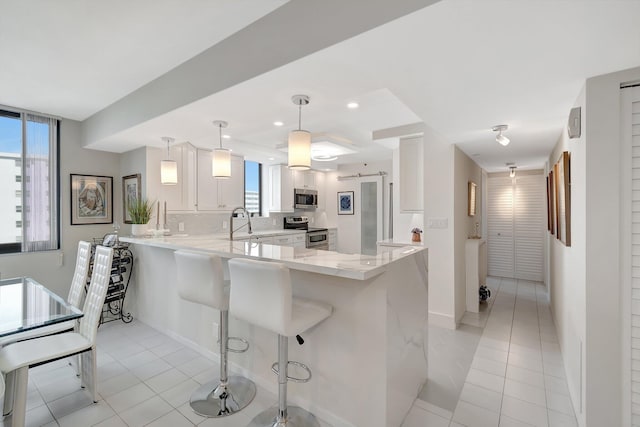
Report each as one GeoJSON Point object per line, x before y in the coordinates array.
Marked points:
{"type": "Point", "coordinates": [317, 238]}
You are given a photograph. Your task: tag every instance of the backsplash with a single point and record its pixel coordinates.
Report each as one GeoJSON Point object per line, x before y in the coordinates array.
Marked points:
{"type": "Point", "coordinates": [208, 223]}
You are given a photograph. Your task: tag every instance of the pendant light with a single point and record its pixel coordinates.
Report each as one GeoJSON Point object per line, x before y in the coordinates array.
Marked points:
{"type": "Point", "coordinates": [503, 140]}
{"type": "Point", "coordinates": [512, 171]}
{"type": "Point", "coordinates": [168, 168]}
{"type": "Point", "coordinates": [221, 160]}
{"type": "Point", "coordinates": [300, 140]}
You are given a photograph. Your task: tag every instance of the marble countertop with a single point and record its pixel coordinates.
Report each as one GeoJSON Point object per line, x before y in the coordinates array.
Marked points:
{"type": "Point", "coordinates": [352, 266]}
{"type": "Point", "coordinates": [399, 242]}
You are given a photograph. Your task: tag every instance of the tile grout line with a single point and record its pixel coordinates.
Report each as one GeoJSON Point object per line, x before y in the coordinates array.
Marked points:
{"type": "Point", "coordinates": [515, 299]}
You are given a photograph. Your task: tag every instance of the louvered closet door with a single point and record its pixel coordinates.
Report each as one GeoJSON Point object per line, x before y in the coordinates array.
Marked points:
{"type": "Point", "coordinates": [529, 208]}
{"type": "Point", "coordinates": [516, 212]}
{"type": "Point", "coordinates": [500, 250]}
{"type": "Point", "coordinates": [631, 134]}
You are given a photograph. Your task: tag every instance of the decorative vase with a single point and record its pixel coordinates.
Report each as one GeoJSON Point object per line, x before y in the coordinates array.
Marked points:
{"type": "Point", "coordinates": [139, 230]}
{"type": "Point", "coordinates": [415, 237]}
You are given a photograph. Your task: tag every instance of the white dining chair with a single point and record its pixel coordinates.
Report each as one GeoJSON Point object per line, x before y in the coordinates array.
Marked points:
{"type": "Point", "coordinates": [75, 298]}
{"type": "Point", "coordinates": [17, 358]}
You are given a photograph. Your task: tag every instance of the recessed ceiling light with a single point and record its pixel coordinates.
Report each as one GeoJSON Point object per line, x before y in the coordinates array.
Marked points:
{"type": "Point", "coordinates": [271, 158]}
{"type": "Point", "coordinates": [278, 123]}
{"type": "Point", "coordinates": [226, 136]}
{"type": "Point", "coordinates": [353, 105]}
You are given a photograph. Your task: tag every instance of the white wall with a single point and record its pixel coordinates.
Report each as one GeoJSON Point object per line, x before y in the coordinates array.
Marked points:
{"type": "Point", "coordinates": [465, 170]}
{"type": "Point", "coordinates": [586, 279]}
{"type": "Point", "coordinates": [349, 225]}
{"type": "Point", "coordinates": [44, 266]}
{"type": "Point", "coordinates": [439, 204]}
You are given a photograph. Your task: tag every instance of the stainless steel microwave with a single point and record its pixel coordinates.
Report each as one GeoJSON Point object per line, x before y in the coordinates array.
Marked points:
{"type": "Point", "coordinates": [304, 198]}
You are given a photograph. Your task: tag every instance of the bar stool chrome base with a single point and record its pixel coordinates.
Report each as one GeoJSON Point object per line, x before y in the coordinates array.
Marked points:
{"type": "Point", "coordinates": [296, 417]}
{"type": "Point", "coordinates": [215, 400]}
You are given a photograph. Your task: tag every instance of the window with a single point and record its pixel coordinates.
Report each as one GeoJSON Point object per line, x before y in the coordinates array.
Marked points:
{"type": "Point", "coordinates": [253, 187]}
{"type": "Point", "coordinates": [29, 176]}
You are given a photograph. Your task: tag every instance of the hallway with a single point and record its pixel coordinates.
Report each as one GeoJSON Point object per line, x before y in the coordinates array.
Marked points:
{"type": "Point", "coordinates": [516, 376]}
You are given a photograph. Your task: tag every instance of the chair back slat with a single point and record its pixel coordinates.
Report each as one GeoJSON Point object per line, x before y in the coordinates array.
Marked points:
{"type": "Point", "coordinates": [97, 292]}
{"type": "Point", "coordinates": [76, 291]}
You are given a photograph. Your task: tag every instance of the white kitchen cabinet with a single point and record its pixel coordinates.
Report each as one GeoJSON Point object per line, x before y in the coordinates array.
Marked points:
{"type": "Point", "coordinates": [304, 179]}
{"type": "Point", "coordinates": [299, 240]}
{"type": "Point", "coordinates": [411, 174]}
{"type": "Point", "coordinates": [280, 189]}
{"type": "Point", "coordinates": [283, 240]}
{"type": "Point", "coordinates": [182, 196]}
{"type": "Point", "coordinates": [219, 194]}
{"type": "Point", "coordinates": [332, 236]}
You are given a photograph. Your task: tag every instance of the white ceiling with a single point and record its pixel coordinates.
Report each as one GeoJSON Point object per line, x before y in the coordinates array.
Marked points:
{"type": "Point", "coordinates": [461, 66]}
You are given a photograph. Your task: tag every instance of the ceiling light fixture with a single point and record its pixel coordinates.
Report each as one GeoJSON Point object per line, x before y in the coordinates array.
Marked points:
{"type": "Point", "coordinates": [503, 140]}
{"type": "Point", "coordinates": [278, 123]}
{"type": "Point", "coordinates": [168, 167]}
{"type": "Point", "coordinates": [323, 157]}
{"type": "Point", "coordinates": [353, 105]}
{"type": "Point", "coordinates": [512, 171]}
{"type": "Point", "coordinates": [300, 140]}
{"type": "Point", "coordinates": [221, 159]}
{"type": "Point", "coordinates": [226, 136]}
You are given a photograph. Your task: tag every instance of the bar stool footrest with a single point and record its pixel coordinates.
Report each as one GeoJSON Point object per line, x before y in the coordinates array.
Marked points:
{"type": "Point", "coordinates": [274, 369]}
{"type": "Point", "coordinates": [238, 350]}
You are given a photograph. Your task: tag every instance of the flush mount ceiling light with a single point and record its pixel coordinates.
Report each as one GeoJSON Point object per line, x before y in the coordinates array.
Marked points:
{"type": "Point", "coordinates": [168, 167]}
{"type": "Point", "coordinates": [353, 105]}
{"type": "Point", "coordinates": [503, 140]}
{"type": "Point", "coordinates": [300, 140]}
{"type": "Point", "coordinates": [323, 157]}
{"type": "Point", "coordinates": [221, 160]}
{"type": "Point", "coordinates": [278, 123]}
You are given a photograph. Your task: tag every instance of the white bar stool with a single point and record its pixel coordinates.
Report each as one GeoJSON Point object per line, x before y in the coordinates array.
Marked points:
{"type": "Point", "coordinates": [261, 294]}
{"type": "Point", "coordinates": [201, 280]}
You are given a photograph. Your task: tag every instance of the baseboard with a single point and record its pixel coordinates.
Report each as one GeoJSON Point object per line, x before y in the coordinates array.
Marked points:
{"type": "Point", "coordinates": [442, 320]}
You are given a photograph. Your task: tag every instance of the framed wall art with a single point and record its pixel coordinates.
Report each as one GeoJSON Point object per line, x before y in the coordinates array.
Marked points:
{"type": "Point", "coordinates": [345, 202]}
{"type": "Point", "coordinates": [563, 185]}
{"type": "Point", "coordinates": [471, 199]}
{"type": "Point", "coordinates": [130, 193]}
{"type": "Point", "coordinates": [91, 199]}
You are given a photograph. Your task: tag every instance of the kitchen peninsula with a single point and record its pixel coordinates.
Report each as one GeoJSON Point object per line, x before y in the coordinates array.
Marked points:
{"type": "Point", "coordinates": [368, 358]}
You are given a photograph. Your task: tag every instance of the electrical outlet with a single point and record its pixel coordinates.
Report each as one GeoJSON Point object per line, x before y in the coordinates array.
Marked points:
{"type": "Point", "coordinates": [60, 259]}
{"type": "Point", "coordinates": [441, 223]}
{"type": "Point", "coordinates": [181, 226]}
{"type": "Point", "coordinates": [224, 225]}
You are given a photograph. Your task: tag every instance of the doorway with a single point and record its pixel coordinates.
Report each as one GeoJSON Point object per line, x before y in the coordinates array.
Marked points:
{"type": "Point", "coordinates": [515, 219]}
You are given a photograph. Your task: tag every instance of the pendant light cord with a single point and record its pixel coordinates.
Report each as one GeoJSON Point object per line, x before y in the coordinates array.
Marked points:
{"type": "Point", "coordinates": [220, 134]}
{"type": "Point", "coordinates": [300, 115]}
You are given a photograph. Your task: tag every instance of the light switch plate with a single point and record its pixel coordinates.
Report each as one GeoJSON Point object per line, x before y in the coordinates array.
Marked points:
{"type": "Point", "coordinates": [181, 226]}
{"type": "Point", "coordinates": [224, 225]}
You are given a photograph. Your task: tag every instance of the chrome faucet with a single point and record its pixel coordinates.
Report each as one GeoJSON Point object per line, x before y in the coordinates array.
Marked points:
{"type": "Point", "coordinates": [231, 230]}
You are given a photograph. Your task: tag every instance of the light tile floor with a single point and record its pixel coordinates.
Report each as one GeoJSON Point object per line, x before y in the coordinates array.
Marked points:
{"type": "Point", "coordinates": [514, 375]}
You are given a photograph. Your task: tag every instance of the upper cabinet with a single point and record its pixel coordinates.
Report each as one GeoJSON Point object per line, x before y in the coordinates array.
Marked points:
{"type": "Point", "coordinates": [411, 174]}
{"type": "Point", "coordinates": [219, 194]}
{"type": "Point", "coordinates": [182, 197]}
{"type": "Point", "coordinates": [280, 189]}
{"type": "Point", "coordinates": [304, 179]}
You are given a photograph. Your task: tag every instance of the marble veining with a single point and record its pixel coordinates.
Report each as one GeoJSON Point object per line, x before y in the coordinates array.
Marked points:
{"type": "Point", "coordinates": [351, 266]}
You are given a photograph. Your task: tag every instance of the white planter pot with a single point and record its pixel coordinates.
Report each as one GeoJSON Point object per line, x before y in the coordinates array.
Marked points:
{"type": "Point", "coordinates": [139, 230]}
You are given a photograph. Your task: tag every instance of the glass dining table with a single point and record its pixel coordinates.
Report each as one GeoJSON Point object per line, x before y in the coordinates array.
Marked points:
{"type": "Point", "coordinates": [26, 304]}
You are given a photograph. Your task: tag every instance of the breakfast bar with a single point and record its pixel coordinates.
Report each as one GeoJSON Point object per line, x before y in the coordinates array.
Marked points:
{"type": "Point", "coordinates": [369, 358]}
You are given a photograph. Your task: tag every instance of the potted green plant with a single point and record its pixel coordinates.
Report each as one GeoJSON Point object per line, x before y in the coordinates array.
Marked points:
{"type": "Point", "coordinates": [140, 212]}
